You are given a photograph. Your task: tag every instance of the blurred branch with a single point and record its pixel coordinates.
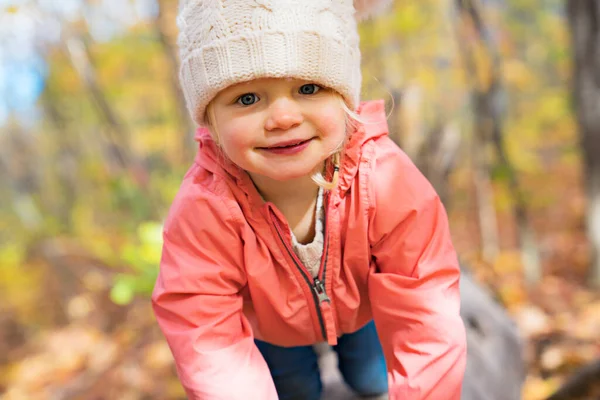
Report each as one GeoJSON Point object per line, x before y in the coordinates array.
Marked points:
{"type": "Point", "coordinates": [66, 158]}
{"type": "Point", "coordinates": [18, 166]}
{"type": "Point", "coordinates": [80, 58]}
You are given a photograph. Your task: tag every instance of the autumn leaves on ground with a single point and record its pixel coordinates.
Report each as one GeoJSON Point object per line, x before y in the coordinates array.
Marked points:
{"type": "Point", "coordinates": [84, 190]}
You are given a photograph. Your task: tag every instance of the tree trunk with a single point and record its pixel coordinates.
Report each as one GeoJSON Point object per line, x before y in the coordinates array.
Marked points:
{"type": "Point", "coordinates": [584, 20]}
{"type": "Point", "coordinates": [165, 37]}
{"type": "Point", "coordinates": [487, 96]}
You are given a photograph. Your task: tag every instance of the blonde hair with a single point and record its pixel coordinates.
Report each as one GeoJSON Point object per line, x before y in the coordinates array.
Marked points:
{"type": "Point", "coordinates": [352, 119]}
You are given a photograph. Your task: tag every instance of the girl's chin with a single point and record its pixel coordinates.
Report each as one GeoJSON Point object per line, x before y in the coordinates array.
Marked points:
{"type": "Point", "coordinates": [282, 175]}
{"type": "Point", "coordinates": [285, 170]}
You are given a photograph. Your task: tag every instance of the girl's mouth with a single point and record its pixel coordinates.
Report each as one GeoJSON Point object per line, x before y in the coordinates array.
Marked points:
{"type": "Point", "coordinates": [288, 148]}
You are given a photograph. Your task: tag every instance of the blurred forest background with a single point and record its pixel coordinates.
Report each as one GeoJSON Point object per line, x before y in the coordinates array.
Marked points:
{"type": "Point", "coordinates": [95, 138]}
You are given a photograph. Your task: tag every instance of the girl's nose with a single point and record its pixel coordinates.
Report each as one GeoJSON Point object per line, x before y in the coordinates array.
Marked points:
{"type": "Point", "coordinates": [283, 114]}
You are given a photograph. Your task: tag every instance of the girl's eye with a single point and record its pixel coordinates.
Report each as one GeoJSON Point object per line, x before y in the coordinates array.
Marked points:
{"type": "Point", "coordinates": [247, 99]}
{"type": "Point", "coordinates": [309, 88]}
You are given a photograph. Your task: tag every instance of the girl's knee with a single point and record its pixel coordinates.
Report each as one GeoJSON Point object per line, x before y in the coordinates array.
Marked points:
{"type": "Point", "coordinates": [369, 387]}
{"type": "Point", "coordinates": [366, 378]}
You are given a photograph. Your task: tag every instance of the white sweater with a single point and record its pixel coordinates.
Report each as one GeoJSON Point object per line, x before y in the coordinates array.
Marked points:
{"type": "Point", "coordinates": [310, 253]}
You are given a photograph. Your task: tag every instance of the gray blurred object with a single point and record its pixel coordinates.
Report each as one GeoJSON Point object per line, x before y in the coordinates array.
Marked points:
{"type": "Point", "coordinates": [495, 365]}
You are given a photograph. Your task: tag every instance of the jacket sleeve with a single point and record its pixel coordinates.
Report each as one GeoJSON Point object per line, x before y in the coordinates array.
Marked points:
{"type": "Point", "coordinates": [198, 306]}
{"type": "Point", "coordinates": [414, 288]}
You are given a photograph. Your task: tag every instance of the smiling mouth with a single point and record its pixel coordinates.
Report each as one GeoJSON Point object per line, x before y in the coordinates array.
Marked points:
{"type": "Point", "coordinates": [286, 145]}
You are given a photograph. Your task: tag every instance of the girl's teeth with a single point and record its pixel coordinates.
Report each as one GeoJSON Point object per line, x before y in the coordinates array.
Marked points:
{"type": "Point", "coordinates": [289, 145]}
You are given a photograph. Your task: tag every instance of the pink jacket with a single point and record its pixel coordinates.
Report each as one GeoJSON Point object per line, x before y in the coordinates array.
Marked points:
{"type": "Point", "coordinates": [228, 274]}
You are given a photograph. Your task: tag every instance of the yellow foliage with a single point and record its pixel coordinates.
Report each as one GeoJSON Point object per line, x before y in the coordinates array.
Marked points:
{"type": "Point", "coordinates": [17, 282]}
{"type": "Point", "coordinates": [512, 293]}
{"type": "Point", "coordinates": [410, 18]}
{"type": "Point", "coordinates": [508, 262]}
{"type": "Point", "coordinates": [536, 388]}
{"type": "Point", "coordinates": [517, 74]}
{"type": "Point", "coordinates": [503, 200]}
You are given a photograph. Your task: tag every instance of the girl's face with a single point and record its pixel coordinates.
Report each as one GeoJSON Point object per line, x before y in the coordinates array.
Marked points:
{"type": "Point", "coordinates": [280, 129]}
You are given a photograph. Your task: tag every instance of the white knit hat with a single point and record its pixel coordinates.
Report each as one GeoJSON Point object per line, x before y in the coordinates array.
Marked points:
{"type": "Point", "coordinates": [224, 42]}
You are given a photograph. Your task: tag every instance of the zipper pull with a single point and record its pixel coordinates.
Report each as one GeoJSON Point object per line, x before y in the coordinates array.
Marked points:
{"type": "Point", "coordinates": [319, 289]}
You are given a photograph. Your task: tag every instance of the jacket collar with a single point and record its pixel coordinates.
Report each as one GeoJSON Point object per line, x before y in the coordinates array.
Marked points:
{"type": "Point", "coordinates": [373, 125]}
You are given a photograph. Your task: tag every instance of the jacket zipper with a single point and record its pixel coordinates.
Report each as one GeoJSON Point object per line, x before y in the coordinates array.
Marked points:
{"type": "Point", "coordinates": [317, 284]}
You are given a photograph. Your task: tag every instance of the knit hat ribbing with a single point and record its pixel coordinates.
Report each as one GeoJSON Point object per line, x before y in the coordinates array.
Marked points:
{"type": "Point", "coordinates": [224, 42]}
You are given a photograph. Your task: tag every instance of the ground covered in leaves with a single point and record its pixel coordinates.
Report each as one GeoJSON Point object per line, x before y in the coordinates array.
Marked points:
{"type": "Point", "coordinates": [81, 345]}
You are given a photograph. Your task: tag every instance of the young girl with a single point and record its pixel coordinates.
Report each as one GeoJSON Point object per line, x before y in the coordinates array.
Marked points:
{"type": "Point", "coordinates": [300, 221]}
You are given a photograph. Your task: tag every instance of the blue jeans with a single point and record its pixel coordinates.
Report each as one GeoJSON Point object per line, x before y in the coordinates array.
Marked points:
{"type": "Point", "coordinates": [360, 359]}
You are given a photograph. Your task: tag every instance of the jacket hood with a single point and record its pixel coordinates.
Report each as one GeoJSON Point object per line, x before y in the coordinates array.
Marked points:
{"type": "Point", "coordinates": [373, 125]}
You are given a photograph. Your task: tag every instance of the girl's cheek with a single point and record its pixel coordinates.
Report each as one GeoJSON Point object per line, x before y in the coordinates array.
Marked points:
{"type": "Point", "coordinates": [236, 132]}
{"type": "Point", "coordinates": [333, 121]}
